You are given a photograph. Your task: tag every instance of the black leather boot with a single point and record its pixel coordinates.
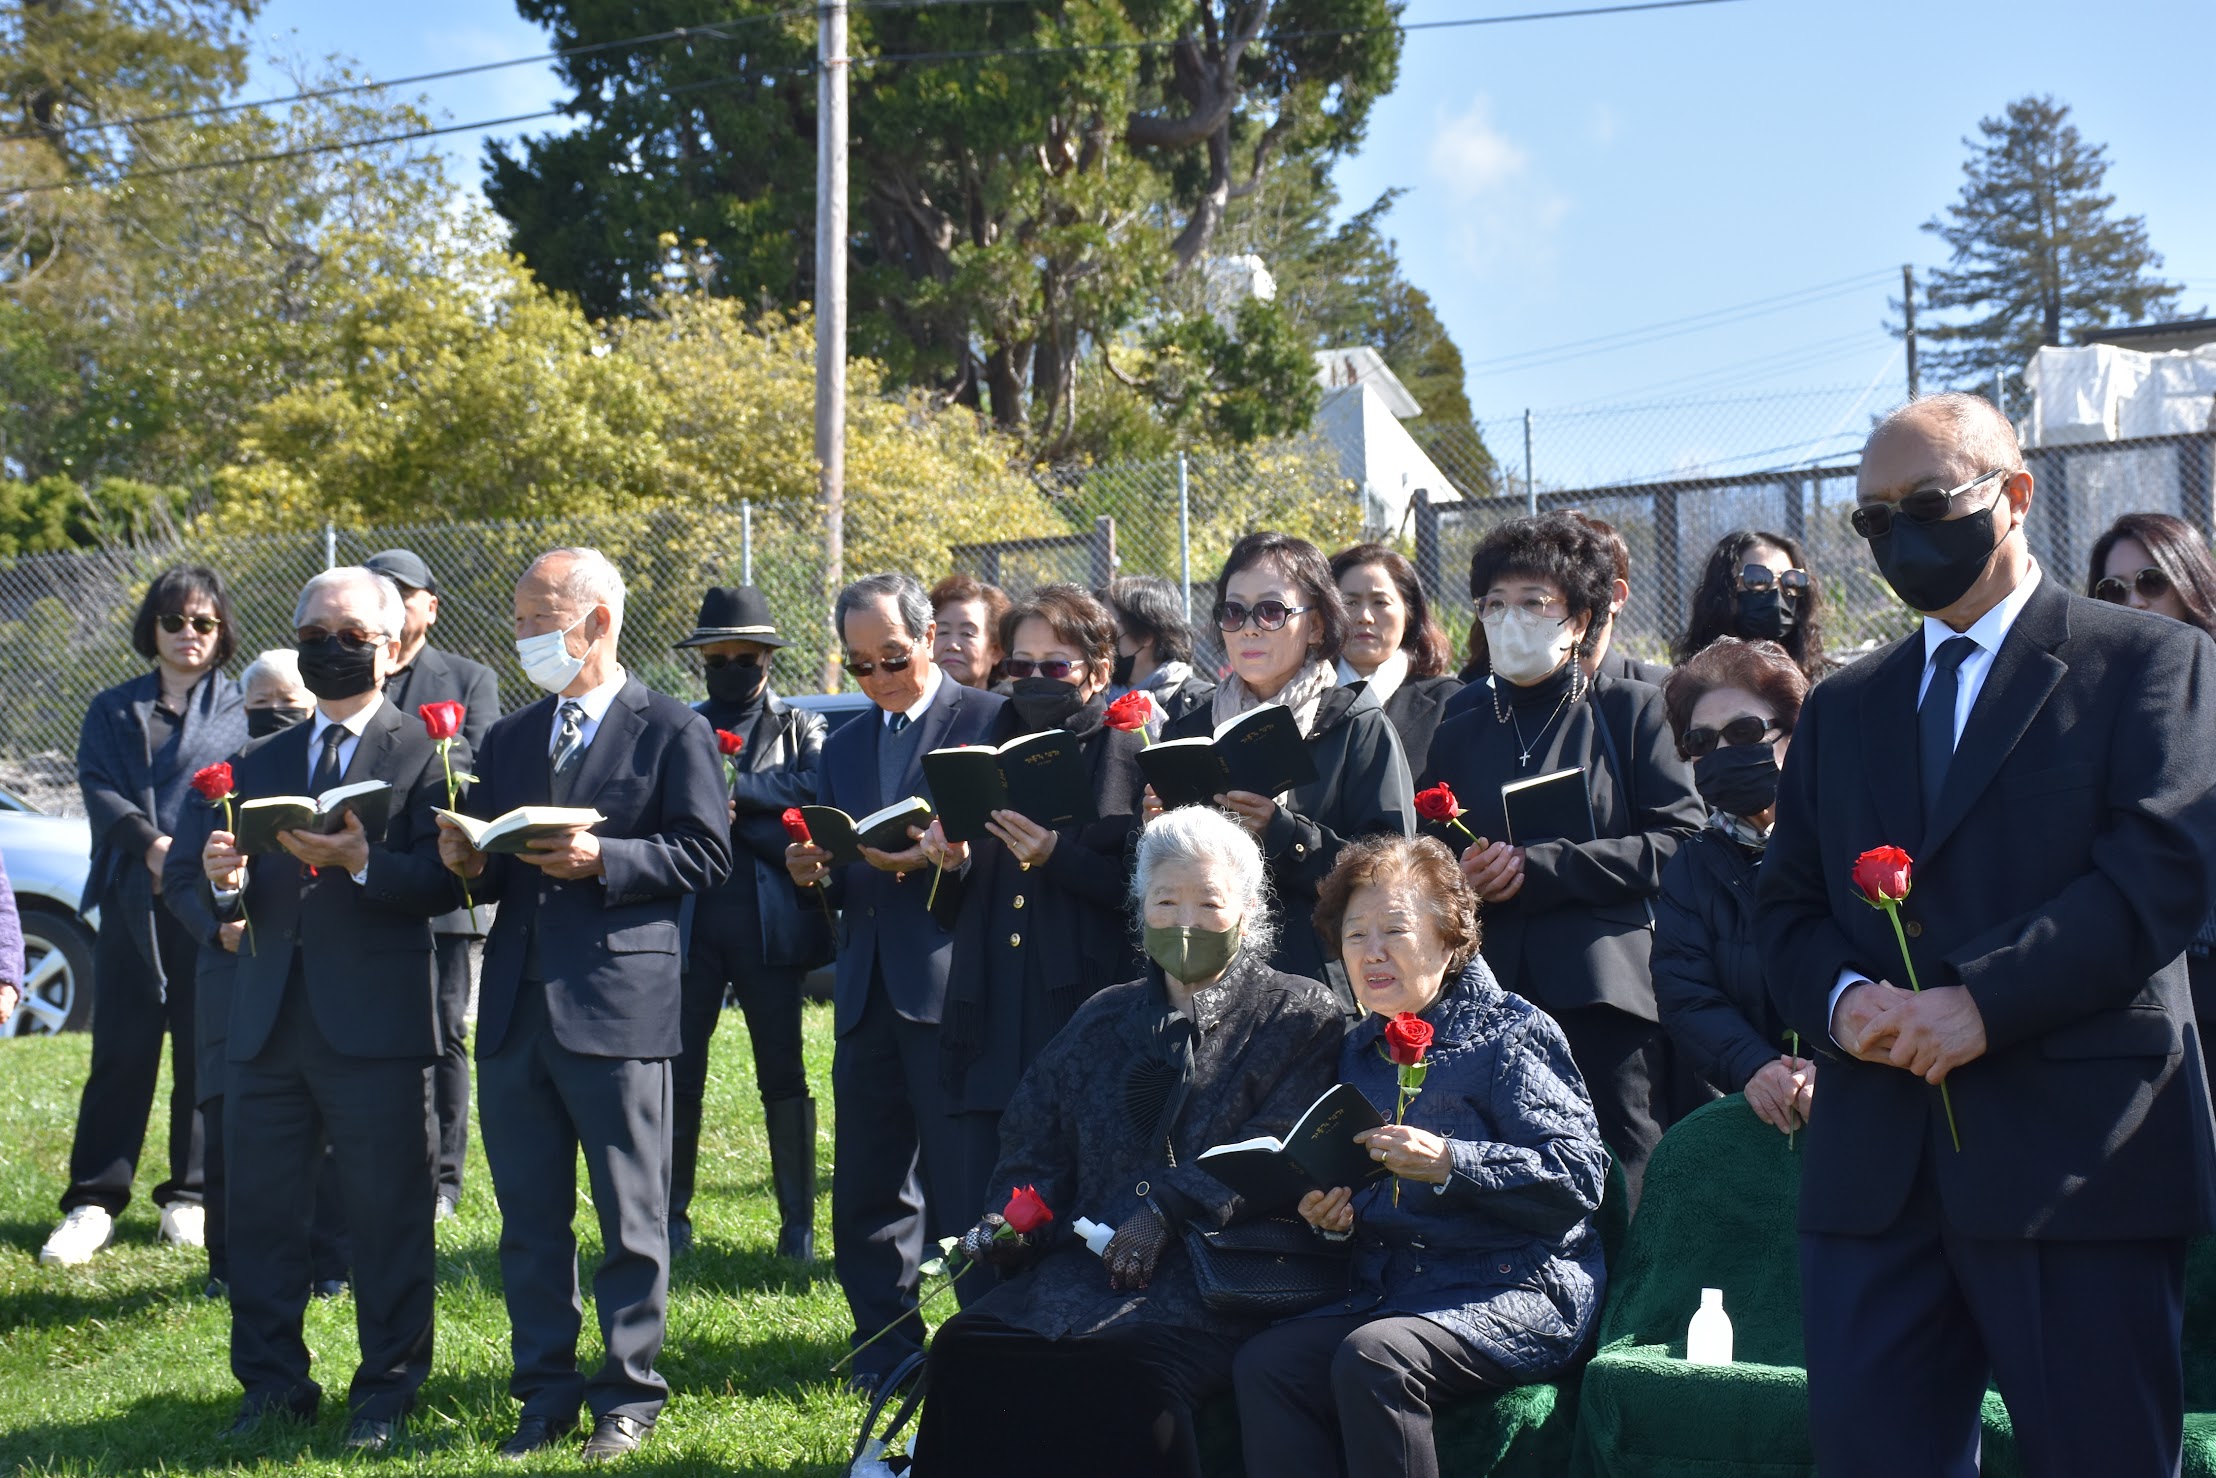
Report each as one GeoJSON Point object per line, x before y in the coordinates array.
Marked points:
{"type": "Point", "coordinates": [792, 1170]}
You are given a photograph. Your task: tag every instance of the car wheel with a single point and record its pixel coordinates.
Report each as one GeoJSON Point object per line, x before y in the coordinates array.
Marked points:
{"type": "Point", "coordinates": [57, 976]}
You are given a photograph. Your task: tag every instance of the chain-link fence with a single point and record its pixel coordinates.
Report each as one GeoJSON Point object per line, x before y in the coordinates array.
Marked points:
{"type": "Point", "coordinates": [65, 618]}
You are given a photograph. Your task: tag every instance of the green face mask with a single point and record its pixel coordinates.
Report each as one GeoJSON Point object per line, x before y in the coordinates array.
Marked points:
{"type": "Point", "coordinates": [1187, 955]}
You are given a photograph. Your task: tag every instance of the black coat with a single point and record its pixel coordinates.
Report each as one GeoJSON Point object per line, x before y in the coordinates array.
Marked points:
{"type": "Point", "coordinates": [1708, 979]}
{"type": "Point", "coordinates": [1416, 709]}
{"type": "Point", "coordinates": [1362, 787]}
{"type": "Point", "coordinates": [444, 677]}
{"type": "Point", "coordinates": [609, 944]}
{"type": "Point", "coordinates": [1580, 931]}
{"type": "Point", "coordinates": [1030, 947]}
{"type": "Point", "coordinates": [777, 770]}
{"type": "Point", "coordinates": [364, 948]}
{"type": "Point", "coordinates": [2068, 865]}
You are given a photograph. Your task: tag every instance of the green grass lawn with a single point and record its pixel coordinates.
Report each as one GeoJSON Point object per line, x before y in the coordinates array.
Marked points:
{"type": "Point", "coordinates": [122, 1366]}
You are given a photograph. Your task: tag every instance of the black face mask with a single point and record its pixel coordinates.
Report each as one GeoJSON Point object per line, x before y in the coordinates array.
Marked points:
{"type": "Point", "coordinates": [1043, 702]}
{"type": "Point", "coordinates": [1765, 615]}
{"type": "Point", "coordinates": [332, 670]}
{"type": "Point", "coordinates": [1738, 779]}
{"type": "Point", "coordinates": [263, 722]}
{"type": "Point", "coordinates": [1933, 565]}
{"type": "Point", "coordinates": [736, 681]}
{"type": "Point", "coordinates": [1120, 673]}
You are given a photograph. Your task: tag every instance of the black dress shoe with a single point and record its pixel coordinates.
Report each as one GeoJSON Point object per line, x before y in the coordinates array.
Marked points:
{"type": "Point", "coordinates": [256, 1417]}
{"type": "Point", "coordinates": [369, 1434]}
{"type": "Point", "coordinates": [216, 1289]}
{"type": "Point", "coordinates": [327, 1287]}
{"type": "Point", "coordinates": [613, 1437]}
{"type": "Point", "coordinates": [680, 1239]}
{"type": "Point", "coordinates": [534, 1433]}
{"type": "Point", "coordinates": [864, 1383]}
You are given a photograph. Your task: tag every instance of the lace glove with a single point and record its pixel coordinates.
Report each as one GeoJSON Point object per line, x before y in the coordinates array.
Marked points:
{"type": "Point", "coordinates": [1135, 1249]}
{"type": "Point", "coordinates": [988, 1242]}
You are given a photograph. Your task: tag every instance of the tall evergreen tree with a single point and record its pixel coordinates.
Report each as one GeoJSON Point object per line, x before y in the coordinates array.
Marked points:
{"type": "Point", "coordinates": [2037, 253]}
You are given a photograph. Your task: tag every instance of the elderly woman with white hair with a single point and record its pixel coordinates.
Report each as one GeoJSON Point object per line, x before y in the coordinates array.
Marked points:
{"type": "Point", "coordinates": [1102, 1359]}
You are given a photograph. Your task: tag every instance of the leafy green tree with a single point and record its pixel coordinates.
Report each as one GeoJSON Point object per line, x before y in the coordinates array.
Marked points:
{"type": "Point", "coordinates": [2036, 249]}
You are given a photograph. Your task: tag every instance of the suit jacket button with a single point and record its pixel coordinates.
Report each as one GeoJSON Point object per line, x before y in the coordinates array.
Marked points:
{"type": "Point", "coordinates": [1915, 930]}
{"type": "Point", "coordinates": [1019, 900]}
{"type": "Point", "coordinates": [873, 910]}
{"type": "Point", "coordinates": [1014, 940]}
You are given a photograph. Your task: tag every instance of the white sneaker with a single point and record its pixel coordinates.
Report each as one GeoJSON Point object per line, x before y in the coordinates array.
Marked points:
{"type": "Point", "coordinates": [184, 1225]}
{"type": "Point", "coordinates": [83, 1232]}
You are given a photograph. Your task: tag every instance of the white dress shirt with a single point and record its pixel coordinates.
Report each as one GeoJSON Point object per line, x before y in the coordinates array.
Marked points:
{"type": "Point", "coordinates": [932, 682]}
{"type": "Point", "coordinates": [596, 704]}
{"type": "Point", "coordinates": [1988, 631]}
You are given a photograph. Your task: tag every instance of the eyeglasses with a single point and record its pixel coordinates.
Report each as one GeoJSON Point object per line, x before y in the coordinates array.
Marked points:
{"type": "Point", "coordinates": [205, 625]}
{"type": "Point", "coordinates": [1269, 615]}
{"type": "Point", "coordinates": [352, 636]}
{"type": "Point", "coordinates": [888, 664]}
{"type": "Point", "coordinates": [1925, 505]}
{"type": "Point", "coordinates": [715, 661]}
{"type": "Point", "coordinates": [1758, 578]}
{"type": "Point", "coordinates": [1054, 669]}
{"type": "Point", "coordinates": [2150, 582]}
{"type": "Point", "coordinates": [1493, 610]}
{"type": "Point", "coordinates": [1745, 729]}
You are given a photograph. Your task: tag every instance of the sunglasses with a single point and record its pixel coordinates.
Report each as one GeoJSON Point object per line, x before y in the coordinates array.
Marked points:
{"type": "Point", "coordinates": [1745, 729]}
{"type": "Point", "coordinates": [2151, 584]}
{"type": "Point", "coordinates": [1055, 669]}
{"type": "Point", "coordinates": [1758, 578]}
{"type": "Point", "coordinates": [1268, 615]}
{"type": "Point", "coordinates": [715, 661]}
{"type": "Point", "coordinates": [1925, 505]}
{"type": "Point", "coordinates": [888, 664]}
{"type": "Point", "coordinates": [352, 636]}
{"type": "Point", "coordinates": [205, 625]}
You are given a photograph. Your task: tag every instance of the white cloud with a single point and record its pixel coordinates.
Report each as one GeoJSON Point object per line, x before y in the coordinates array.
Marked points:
{"type": "Point", "coordinates": [1473, 158]}
{"type": "Point", "coordinates": [1602, 128]}
{"type": "Point", "coordinates": [1501, 208]}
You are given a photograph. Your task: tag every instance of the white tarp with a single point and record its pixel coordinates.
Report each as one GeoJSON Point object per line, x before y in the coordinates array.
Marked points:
{"type": "Point", "coordinates": [2099, 392]}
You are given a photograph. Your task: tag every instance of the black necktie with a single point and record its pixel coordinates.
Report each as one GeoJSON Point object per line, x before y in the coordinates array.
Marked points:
{"type": "Point", "coordinates": [567, 744]}
{"type": "Point", "coordinates": [1935, 719]}
{"type": "Point", "coordinates": [328, 771]}
{"type": "Point", "coordinates": [895, 723]}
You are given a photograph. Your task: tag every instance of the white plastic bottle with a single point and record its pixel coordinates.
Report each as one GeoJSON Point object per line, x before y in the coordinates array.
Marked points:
{"type": "Point", "coordinates": [1708, 1340]}
{"type": "Point", "coordinates": [1096, 1236]}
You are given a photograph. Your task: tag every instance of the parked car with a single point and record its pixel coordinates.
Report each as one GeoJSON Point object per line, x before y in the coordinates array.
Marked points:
{"type": "Point", "coordinates": [48, 857]}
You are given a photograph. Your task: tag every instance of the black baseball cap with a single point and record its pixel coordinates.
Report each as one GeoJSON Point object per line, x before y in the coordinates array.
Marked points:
{"type": "Point", "coordinates": [404, 567]}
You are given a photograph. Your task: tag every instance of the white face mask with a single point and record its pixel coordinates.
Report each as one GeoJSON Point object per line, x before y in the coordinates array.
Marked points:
{"type": "Point", "coordinates": [1524, 648]}
{"type": "Point", "coordinates": [546, 659]}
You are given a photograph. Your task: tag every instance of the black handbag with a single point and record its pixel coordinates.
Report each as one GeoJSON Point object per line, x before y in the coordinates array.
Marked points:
{"type": "Point", "coordinates": [1271, 1268]}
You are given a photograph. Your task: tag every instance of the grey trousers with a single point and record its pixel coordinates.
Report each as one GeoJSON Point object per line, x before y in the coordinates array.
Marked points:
{"type": "Point", "coordinates": [1358, 1388]}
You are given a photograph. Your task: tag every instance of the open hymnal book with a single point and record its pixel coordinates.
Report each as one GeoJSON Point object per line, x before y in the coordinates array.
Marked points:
{"type": "Point", "coordinates": [260, 820]}
{"type": "Point", "coordinates": [885, 829]}
{"type": "Point", "coordinates": [1317, 1154]}
{"type": "Point", "coordinates": [1042, 776]}
{"type": "Point", "coordinates": [1260, 751]}
{"type": "Point", "coordinates": [517, 829]}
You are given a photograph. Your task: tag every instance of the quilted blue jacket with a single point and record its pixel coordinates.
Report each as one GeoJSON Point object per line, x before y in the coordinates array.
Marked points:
{"type": "Point", "coordinates": [1505, 1254]}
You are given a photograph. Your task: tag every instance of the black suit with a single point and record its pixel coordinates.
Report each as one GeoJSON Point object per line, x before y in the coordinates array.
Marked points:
{"type": "Point", "coordinates": [2065, 866]}
{"type": "Point", "coordinates": [333, 1029]}
{"type": "Point", "coordinates": [442, 677]}
{"type": "Point", "coordinates": [903, 1165]}
{"type": "Point", "coordinates": [577, 1019]}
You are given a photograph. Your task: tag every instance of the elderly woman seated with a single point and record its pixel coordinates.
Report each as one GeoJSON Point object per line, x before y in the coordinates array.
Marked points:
{"type": "Point", "coordinates": [1476, 1262]}
{"type": "Point", "coordinates": [1094, 1364]}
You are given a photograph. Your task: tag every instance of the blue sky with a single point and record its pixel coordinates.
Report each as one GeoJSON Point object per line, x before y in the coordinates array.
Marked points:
{"type": "Point", "coordinates": [1573, 179]}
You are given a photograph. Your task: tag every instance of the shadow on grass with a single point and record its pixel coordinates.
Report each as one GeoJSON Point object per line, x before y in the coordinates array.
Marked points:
{"type": "Point", "coordinates": [190, 1433]}
{"type": "Point", "coordinates": [714, 1268]}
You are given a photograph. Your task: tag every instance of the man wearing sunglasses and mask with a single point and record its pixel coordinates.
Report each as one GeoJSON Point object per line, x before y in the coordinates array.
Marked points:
{"type": "Point", "coordinates": [334, 1023]}
{"type": "Point", "coordinates": [428, 675]}
{"type": "Point", "coordinates": [902, 1169]}
{"type": "Point", "coordinates": [754, 936]}
{"type": "Point", "coordinates": [2049, 762]}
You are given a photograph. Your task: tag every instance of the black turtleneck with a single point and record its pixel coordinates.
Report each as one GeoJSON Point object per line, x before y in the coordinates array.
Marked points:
{"type": "Point", "coordinates": [739, 718]}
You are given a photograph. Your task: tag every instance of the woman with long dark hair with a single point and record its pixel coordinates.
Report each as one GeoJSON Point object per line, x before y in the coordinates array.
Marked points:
{"type": "Point", "coordinates": [1394, 645]}
{"type": "Point", "coordinates": [143, 741]}
{"type": "Point", "coordinates": [1757, 586]}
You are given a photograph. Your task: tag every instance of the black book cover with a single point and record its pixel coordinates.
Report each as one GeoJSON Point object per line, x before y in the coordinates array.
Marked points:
{"type": "Point", "coordinates": [1260, 751]}
{"type": "Point", "coordinates": [260, 820]}
{"type": "Point", "coordinates": [1555, 807]}
{"type": "Point", "coordinates": [887, 830]}
{"type": "Point", "coordinates": [1043, 776]}
{"type": "Point", "coordinates": [1317, 1154]}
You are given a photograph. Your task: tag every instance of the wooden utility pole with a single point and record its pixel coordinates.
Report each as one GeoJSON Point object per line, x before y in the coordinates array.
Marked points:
{"type": "Point", "coordinates": [831, 77]}
{"type": "Point", "coordinates": [1908, 326]}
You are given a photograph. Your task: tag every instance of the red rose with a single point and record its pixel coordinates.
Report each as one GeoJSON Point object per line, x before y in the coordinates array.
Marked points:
{"type": "Point", "coordinates": [1407, 1039]}
{"type": "Point", "coordinates": [1437, 803]}
{"type": "Point", "coordinates": [442, 720]}
{"type": "Point", "coordinates": [214, 782]}
{"type": "Point", "coordinates": [1130, 712]}
{"type": "Point", "coordinates": [1026, 1212]}
{"type": "Point", "coordinates": [796, 826]}
{"type": "Point", "coordinates": [729, 742]}
{"type": "Point", "coordinates": [1881, 875]}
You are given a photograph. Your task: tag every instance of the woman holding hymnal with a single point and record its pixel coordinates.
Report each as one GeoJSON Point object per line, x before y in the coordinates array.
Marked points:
{"type": "Point", "coordinates": [1571, 796]}
{"type": "Point", "coordinates": [1047, 813]}
{"type": "Point", "coordinates": [1284, 626]}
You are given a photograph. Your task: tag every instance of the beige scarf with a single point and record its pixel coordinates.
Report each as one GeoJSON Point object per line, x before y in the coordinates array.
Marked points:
{"type": "Point", "coordinates": [1302, 693]}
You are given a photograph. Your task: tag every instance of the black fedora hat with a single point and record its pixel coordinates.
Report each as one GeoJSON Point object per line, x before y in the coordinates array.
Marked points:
{"type": "Point", "coordinates": [733, 613]}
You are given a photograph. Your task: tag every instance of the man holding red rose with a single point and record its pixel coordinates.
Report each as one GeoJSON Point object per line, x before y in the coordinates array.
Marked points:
{"type": "Point", "coordinates": [2048, 762]}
